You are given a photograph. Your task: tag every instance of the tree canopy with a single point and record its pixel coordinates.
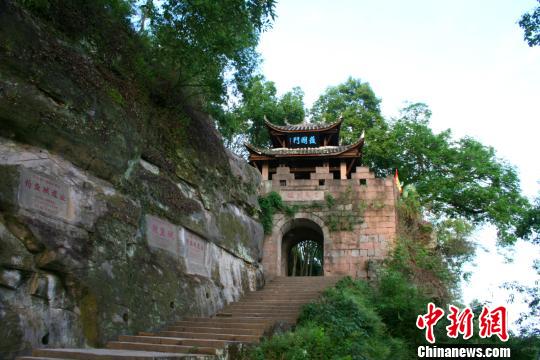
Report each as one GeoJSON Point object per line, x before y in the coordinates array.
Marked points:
{"type": "Point", "coordinates": [244, 121]}
{"type": "Point", "coordinates": [174, 48]}
{"type": "Point", "coordinates": [355, 102]}
{"type": "Point", "coordinates": [455, 178]}
{"type": "Point", "coordinates": [530, 23]}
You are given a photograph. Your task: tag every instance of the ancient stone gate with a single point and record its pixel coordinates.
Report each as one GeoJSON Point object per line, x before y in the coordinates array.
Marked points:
{"type": "Point", "coordinates": [358, 229]}
{"type": "Point", "coordinates": [343, 207]}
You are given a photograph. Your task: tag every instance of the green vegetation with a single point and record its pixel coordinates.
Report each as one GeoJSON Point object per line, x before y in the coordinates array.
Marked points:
{"type": "Point", "coordinates": [530, 23]}
{"type": "Point", "coordinates": [355, 102]}
{"type": "Point", "coordinates": [375, 320]}
{"type": "Point", "coordinates": [336, 215]}
{"type": "Point", "coordinates": [306, 259]}
{"type": "Point", "coordinates": [270, 204]}
{"type": "Point", "coordinates": [177, 51]}
{"type": "Point", "coordinates": [455, 178]}
{"type": "Point", "coordinates": [342, 325]}
{"type": "Point", "coordinates": [202, 54]}
{"type": "Point", "coordinates": [245, 120]}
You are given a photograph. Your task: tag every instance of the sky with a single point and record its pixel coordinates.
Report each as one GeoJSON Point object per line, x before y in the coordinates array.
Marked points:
{"type": "Point", "coordinates": [466, 59]}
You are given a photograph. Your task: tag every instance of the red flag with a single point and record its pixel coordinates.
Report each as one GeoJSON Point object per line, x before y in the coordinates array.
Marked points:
{"type": "Point", "coordinates": [398, 184]}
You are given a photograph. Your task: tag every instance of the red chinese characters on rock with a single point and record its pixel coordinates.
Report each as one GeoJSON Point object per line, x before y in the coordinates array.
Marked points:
{"type": "Point", "coordinates": [195, 245]}
{"type": "Point", "coordinates": [460, 323]}
{"type": "Point", "coordinates": [493, 322]}
{"type": "Point", "coordinates": [37, 186]}
{"type": "Point", "coordinates": [429, 320]}
{"type": "Point", "coordinates": [162, 231]}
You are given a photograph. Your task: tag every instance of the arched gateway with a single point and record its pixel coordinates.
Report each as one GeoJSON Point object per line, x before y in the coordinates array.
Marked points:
{"type": "Point", "coordinates": [345, 218]}
{"type": "Point", "coordinates": [288, 233]}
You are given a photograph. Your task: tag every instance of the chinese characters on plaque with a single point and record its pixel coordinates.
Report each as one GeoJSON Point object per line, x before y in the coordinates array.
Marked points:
{"type": "Point", "coordinates": [195, 248]}
{"type": "Point", "coordinates": [162, 234]}
{"type": "Point", "coordinates": [303, 140]}
{"type": "Point", "coordinates": [44, 193]}
{"type": "Point", "coordinates": [180, 242]}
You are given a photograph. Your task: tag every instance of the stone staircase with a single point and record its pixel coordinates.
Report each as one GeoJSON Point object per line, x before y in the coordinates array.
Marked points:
{"type": "Point", "coordinates": [238, 323]}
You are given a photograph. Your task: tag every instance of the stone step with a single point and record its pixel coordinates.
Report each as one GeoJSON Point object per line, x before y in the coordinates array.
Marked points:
{"type": "Point", "coordinates": [167, 348]}
{"type": "Point", "coordinates": [275, 302]}
{"type": "Point", "coordinates": [264, 315]}
{"type": "Point", "coordinates": [217, 336]}
{"type": "Point", "coordinates": [248, 312]}
{"type": "Point", "coordinates": [296, 280]}
{"type": "Point", "coordinates": [274, 319]}
{"type": "Point", "coordinates": [288, 290]}
{"type": "Point", "coordinates": [251, 305]}
{"type": "Point", "coordinates": [38, 358]}
{"type": "Point", "coordinates": [154, 339]}
{"type": "Point", "coordinates": [205, 338]}
{"type": "Point", "coordinates": [221, 329]}
{"type": "Point", "coordinates": [110, 354]}
{"type": "Point", "coordinates": [217, 323]}
{"type": "Point", "coordinates": [245, 319]}
{"type": "Point", "coordinates": [280, 298]}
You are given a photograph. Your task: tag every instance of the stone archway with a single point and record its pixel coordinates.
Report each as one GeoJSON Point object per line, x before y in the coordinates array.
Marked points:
{"type": "Point", "coordinates": [302, 249]}
{"type": "Point", "coordinates": [277, 245]}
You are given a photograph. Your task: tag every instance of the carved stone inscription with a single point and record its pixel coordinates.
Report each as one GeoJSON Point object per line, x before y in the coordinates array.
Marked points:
{"type": "Point", "coordinates": [162, 234]}
{"type": "Point", "coordinates": [44, 193]}
{"type": "Point", "coordinates": [180, 242]}
{"type": "Point", "coordinates": [195, 254]}
{"type": "Point", "coordinates": [306, 195]}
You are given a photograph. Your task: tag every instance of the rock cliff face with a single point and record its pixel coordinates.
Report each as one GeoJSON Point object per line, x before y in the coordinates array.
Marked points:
{"type": "Point", "coordinates": [116, 216]}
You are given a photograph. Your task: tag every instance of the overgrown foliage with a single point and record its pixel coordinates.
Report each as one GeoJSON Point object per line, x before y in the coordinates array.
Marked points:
{"type": "Point", "coordinates": [375, 320]}
{"type": "Point", "coordinates": [530, 23]}
{"type": "Point", "coordinates": [457, 179]}
{"type": "Point", "coordinates": [454, 178]}
{"type": "Point", "coordinates": [306, 259]}
{"type": "Point", "coordinates": [175, 49]}
{"type": "Point", "coordinates": [529, 227]}
{"type": "Point", "coordinates": [244, 121]}
{"type": "Point", "coordinates": [355, 102]}
{"type": "Point", "coordinates": [460, 179]}
{"type": "Point", "coordinates": [270, 204]}
{"type": "Point", "coordinates": [342, 325]}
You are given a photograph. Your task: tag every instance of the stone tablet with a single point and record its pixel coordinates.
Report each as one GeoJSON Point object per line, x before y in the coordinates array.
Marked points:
{"type": "Point", "coordinates": [303, 195]}
{"type": "Point", "coordinates": [195, 254]}
{"type": "Point", "coordinates": [162, 234]}
{"type": "Point", "coordinates": [44, 193]}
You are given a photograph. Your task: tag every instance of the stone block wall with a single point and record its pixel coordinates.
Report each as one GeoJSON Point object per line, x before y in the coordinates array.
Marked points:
{"type": "Point", "coordinates": [359, 228]}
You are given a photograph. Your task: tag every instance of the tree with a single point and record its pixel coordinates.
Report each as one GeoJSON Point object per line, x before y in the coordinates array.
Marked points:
{"type": "Point", "coordinates": [530, 224]}
{"type": "Point", "coordinates": [208, 45]}
{"type": "Point", "coordinates": [204, 49]}
{"type": "Point", "coordinates": [530, 23]}
{"type": "Point", "coordinates": [456, 178]}
{"type": "Point", "coordinates": [259, 101]}
{"type": "Point", "coordinates": [353, 100]}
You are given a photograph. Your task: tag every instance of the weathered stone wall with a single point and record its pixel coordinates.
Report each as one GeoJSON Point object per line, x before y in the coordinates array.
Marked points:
{"type": "Point", "coordinates": [356, 216]}
{"type": "Point", "coordinates": [116, 215]}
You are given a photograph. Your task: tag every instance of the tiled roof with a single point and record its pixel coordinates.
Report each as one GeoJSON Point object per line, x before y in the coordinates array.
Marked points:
{"type": "Point", "coordinates": [303, 126]}
{"type": "Point", "coordinates": [323, 150]}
